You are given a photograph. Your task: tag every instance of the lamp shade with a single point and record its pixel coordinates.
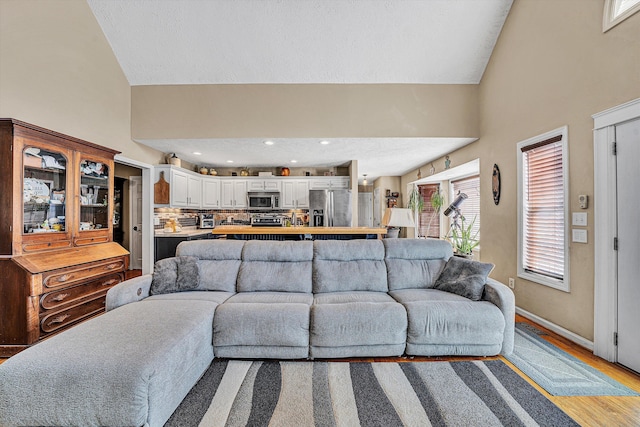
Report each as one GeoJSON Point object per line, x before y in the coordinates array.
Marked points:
{"type": "Point", "coordinates": [398, 217]}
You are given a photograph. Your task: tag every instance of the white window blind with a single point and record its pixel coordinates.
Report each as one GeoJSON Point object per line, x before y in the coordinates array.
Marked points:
{"type": "Point", "coordinates": [470, 208]}
{"type": "Point", "coordinates": [429, 218]}
{"type": "Point", "coordinates": [543, 210]}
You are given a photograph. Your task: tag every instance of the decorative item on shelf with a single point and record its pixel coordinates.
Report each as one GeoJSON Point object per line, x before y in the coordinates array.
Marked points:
{"type": "Point", "coordinates": [285, 171]}
{"type": "Point", "coordinates": [495, 184]}
{"type": "Point", "coordinates": [213, 172]}
{"type": "Point", "coordinates": [419, 175]}
{"type": "Point", "coordinates": [432, 169]}
{"type": "Point", "coordinates": [394, 218]}
{"type": "Point", "coordinates": [172, 159]}
{"type": "Point", "coordinates": [161, 191]}
{"type": "Point", "coordinates": [244, 172]}
{"type": "Point", "coordinates": [204, 170]}
{"type": "Point", "coordinates": [447, 162]}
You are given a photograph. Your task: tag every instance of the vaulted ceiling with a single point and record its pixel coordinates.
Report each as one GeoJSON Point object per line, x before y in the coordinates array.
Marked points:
{"type": "Point", "coordinates": [178, 42]}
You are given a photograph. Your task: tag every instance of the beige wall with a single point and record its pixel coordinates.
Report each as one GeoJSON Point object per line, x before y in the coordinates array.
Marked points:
{"type": "Point", "coordinates": [319, 110]}
{"type": "Point", "coordinates": [58, 71]}
{"type": "Point", "coordinates": [552, 66]}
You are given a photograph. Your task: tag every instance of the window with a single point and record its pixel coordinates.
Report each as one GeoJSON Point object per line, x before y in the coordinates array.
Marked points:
{"type": "Point", "coordinates": [429, 218]}
{"type": "Point", "coordinates": [543, 210]}
{"type": "Point", "coordinates": [470, 208]}
{"type": "Point", "coordinates": [616, 11]}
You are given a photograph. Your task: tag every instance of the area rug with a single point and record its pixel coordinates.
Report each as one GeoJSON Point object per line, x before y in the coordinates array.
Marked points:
{"type": "Point", "coordinates": [301, 394]}
{"type": "Point", "coordinates": [558, 372]}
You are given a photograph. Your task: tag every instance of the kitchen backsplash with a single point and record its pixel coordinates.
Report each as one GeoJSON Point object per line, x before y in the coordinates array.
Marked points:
{"type": "Point", "coordinates": [190, 218]}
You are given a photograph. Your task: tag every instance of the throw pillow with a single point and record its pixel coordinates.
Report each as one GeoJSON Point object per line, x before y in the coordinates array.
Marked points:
{"type": "Point", "coordinates": [464, 277]}
{"type": "Point", "coordinates": [175, 274]}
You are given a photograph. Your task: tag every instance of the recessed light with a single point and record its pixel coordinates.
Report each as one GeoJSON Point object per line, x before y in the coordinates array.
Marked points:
{"type": "Point", "coordinates": [294, 161]}
{"type": "Point", "coordinates": [325, 142]}
{"type": "Point", "coordinates": [197, 153]}
{"type": "Point", "coordinates": [269, 143]}
{"type": "Point", "coordinates": [229, 161]}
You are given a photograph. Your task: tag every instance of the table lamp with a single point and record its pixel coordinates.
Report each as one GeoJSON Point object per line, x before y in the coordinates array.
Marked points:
{"type": "Point", "coordinates": [394, 218]}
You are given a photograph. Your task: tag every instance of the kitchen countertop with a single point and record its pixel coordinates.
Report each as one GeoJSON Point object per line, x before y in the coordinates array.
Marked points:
{"type": "Point", "coordinates": [185, 232]}
{"type": "Point", "coordinates": [247, 229]}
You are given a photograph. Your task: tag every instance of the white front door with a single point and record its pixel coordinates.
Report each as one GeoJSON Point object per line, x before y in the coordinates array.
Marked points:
{"type": "Point", "coordinates": [135, 239]}
{"type": "Point", "coordinates": [628, 196]}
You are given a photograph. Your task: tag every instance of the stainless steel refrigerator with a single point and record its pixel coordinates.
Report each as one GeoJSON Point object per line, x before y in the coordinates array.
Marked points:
{"type": "Point", "coordinates": [330, 208]}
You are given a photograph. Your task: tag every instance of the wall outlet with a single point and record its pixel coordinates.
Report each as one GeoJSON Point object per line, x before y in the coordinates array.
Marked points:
{"type": "Point", "coordinates": [512, 282]}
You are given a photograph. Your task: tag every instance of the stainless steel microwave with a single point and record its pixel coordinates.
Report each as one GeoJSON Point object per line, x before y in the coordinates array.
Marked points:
{"type": "Point", "coordinates": [263, 200]}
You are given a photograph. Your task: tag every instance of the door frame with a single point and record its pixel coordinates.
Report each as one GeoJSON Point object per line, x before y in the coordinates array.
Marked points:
{"type": "Point", "coordinates": [605, 227]}
{"type": "Point", "coordinates": [147, 210]}
{"type": "Point", "coordinates": [132, 208]}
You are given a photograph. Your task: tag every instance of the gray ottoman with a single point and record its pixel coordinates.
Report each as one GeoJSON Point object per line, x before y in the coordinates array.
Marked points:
{"type": "Point", "coordinates": [131, 366]}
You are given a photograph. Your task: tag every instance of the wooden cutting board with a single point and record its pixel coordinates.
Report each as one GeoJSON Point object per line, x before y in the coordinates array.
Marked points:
{"type": "Point", "coordinates": [161, 191]}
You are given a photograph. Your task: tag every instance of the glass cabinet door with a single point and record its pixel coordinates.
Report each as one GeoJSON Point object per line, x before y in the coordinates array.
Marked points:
{"type": "Point", "coordinates": [44, 191]}
{"type": "Point", "coordinates": [94, 195]}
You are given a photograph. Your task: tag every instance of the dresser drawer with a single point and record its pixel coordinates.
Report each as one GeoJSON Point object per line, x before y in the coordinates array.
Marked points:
{"type": "Point", "coordinates": [43, 246]}
{"type": "Point", "coordinates": [53, 320]}
{"type": "Point", "coordinates": [91, 240]}
{"type": "Point", "coordinates": [69, 276]}
{"type": "Point", "coordinates": [60, 298]}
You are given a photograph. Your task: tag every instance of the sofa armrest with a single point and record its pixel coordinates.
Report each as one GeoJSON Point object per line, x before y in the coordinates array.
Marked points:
{"type": "Point", "coordinates": [131, 290]}
{"type": "Point", "coordinates": [500, 295]}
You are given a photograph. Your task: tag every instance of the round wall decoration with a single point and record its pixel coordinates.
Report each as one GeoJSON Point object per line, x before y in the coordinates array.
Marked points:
{"type": "Point", "coordinates": [495, 184]}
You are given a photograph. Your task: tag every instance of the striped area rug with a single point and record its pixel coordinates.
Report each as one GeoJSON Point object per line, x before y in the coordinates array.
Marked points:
{"type": "Point", "coordinates": [300, 394]}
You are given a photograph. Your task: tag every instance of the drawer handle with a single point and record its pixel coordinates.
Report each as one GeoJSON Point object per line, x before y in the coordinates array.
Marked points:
{"type": "Point", "coordinates": [112, 266]}
{"type": "Point", "coordinates": [60, 297]}
{"type": "Point", "coordinates": [64, 278]}
{"type": "Point", "coordinates": [109, 282]}
{"type": "Point", "coordinates": [59, 319]}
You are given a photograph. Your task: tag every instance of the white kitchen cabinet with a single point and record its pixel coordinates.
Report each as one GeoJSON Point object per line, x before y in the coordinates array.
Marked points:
{"type": "Point", "coordinates": [185, 187]}
{"type": "Point", "coordinates": [233, 193]}
{"type": "Point", "coordinates": [295, 194]}
{"type": "Point", "coordinates": [210, 193]}
{"type": "Point", "coordinates": [327, 183]}
{"type": "Point", "coordinates": [264, 185]}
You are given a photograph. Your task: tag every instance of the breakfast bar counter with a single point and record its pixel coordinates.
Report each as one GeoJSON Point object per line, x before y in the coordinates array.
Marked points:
{"type": "Point", "coordinates": [343, 232]}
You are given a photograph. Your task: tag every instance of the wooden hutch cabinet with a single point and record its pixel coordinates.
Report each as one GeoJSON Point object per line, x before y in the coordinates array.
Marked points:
{"type": "Point", "coordinates": [57, 257]}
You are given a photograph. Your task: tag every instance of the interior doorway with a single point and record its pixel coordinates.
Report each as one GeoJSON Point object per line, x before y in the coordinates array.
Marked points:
{"type": "Point", "coordinates": [138, 242]}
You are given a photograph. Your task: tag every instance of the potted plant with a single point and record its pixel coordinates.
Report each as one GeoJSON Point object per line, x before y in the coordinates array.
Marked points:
{"type": "Point", "coordinates": [464, 239]}
{"type": "Point", "coordinates": [437, 201]}
{"type": "Point", "coordinates": [416, 204]}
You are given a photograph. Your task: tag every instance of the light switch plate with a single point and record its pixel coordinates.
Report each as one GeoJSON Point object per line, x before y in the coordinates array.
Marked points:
{"type": "Point", "coordinates": [579, 219]}
{"type": "Point", "coordinates": [579, 236]}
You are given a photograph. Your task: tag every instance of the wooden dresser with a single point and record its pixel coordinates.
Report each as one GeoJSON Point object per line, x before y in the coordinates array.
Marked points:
{"type": "Point", "coordinates": [57, 255]}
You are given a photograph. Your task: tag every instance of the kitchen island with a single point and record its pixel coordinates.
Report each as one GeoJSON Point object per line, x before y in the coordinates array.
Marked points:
{"type": "Point", "coordinates": [248, 232]}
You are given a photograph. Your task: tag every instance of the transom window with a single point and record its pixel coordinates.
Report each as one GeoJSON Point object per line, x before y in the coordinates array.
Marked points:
{"type": "Point", "coordinates": [616, 11]}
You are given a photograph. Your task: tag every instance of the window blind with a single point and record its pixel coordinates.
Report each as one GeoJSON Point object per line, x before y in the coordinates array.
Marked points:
{"type": "Point", "coordinates": [543, 209]}
{"type": "Point", "coordinates": [470, 208]}
{"type": "Point", "coordinates": [429, 218]}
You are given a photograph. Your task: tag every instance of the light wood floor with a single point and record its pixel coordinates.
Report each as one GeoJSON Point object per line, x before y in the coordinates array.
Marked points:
{"type": "Point", "coordinates": [588, 411]}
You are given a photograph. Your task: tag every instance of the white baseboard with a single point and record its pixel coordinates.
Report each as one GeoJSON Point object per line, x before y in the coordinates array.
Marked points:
{"type": "Point", "coordinates": [557, 329]}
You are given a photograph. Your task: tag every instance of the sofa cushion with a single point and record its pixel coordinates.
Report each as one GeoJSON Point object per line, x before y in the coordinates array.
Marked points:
{"type": "Point", "coordinates": [347, 297]}
{"type": "Point", "coordinates": [276, 266]}
{"type": "Point", "coordinates": [211, 296]}
{"type": "Point", "coordinates": [271, 298]}
{"type": "Point", "coordinates": [363, 323]}
{"type": "Point", "coordinates": [349, 265]}
{"type": "Point", "coordinates": [441, 318]}
{"type": "Point", "coordinates": [218, 262]}
{"type": "Point", "coordinates": [261, 330]}
{"type": "Point", "coordinates": [174, 274]}
{"type": "Point", "coordinates": [464, 277]}
{"type": "Point", "coordinates": [415, 263]}
{"type": "Point", "coordinates": [134, 364]}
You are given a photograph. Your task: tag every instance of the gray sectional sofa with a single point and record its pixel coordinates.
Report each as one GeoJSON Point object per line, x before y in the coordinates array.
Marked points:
{"type": "Point", "coordinates": [256, 299]}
